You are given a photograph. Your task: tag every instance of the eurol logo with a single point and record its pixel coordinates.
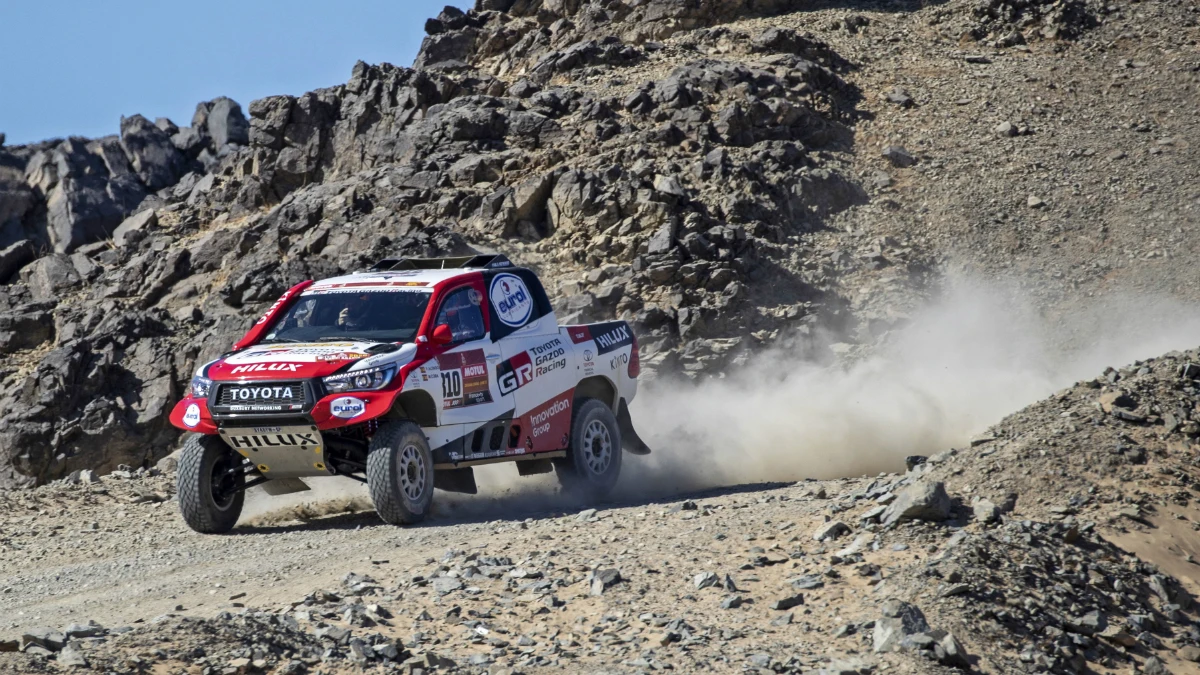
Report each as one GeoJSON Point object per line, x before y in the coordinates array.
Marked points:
{"type": "Point", "coordinates": [191, 417]}
{"type": "Point", "coordinates": [512, 300]}
{"type": "Point", "coordinates": [266, 368]}
{"type": "Point", "coordinates": [347, 407]}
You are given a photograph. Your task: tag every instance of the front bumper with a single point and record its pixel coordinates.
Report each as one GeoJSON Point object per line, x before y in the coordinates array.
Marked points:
{"type": "Point", "coordinates": [325, 411]}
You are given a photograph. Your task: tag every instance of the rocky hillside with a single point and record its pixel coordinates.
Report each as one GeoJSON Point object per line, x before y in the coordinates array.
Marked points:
{"type": "Point", "coordinates": [726, 174]}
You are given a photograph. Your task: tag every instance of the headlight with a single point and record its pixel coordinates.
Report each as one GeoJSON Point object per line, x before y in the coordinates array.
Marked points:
{"type": "Point", "coordinates": [360, 380]}
{"type": "Point", "coordinates": [201, 387]}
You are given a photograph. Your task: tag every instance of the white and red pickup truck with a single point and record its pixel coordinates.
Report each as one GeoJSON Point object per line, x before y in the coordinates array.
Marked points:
{"type": "Point", "coordinates": [404, 377]}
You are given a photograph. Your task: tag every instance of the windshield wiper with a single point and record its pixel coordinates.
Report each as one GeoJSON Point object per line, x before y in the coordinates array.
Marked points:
{"type": "Point", "coordinates": [278, 339]}
{"type": "Point", "coordinates": [341, 338]}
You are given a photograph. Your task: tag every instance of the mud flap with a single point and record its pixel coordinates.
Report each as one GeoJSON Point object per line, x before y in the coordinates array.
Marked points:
{"type": "Point", "coordinates": [630, 440]}
{"type": "Point", "coordinates": [456, 480]}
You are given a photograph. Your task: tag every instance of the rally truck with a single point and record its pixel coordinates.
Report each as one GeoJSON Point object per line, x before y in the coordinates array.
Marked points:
{"type": "Point", "coordinates": [404, 377]}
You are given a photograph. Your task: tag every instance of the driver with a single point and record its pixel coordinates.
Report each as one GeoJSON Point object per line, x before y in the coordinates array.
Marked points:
{"type": "Point", "coordinates": [354, 315]}
{"type": "Point", "coordinates": [461, 312]}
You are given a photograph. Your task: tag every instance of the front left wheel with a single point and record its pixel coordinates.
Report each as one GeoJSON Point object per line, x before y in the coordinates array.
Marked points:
{"type": "Point", "coordinates": [400, 473]}
{"type": "Point", "coordinates": [210, 485]}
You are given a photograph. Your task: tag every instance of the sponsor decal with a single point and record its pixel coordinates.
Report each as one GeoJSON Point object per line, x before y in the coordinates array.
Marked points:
{"type": "Point", "coordinates": [342, 356]}
{"type": "Point", "coordinates": [464, 377]}
{"type": "Point", "coordinates": [267, 430]}
{"type": "Point", "coordinates": [511, 299]}
{"type": "Point", "coordinates": [267, 368]}
{"type": "Point", "coordinates": [514, 373]}
{"type": "Point", "coordinates": [609, 336]}
{"type": "Point", "coordinates": [191, 417]}
{"type": "Point", "coordinates": [407, 288]}
{"type": "Point", "coordinates": [347, 407]}
{"type": "Point", "coordinates": [588, 355]}
{"type": "Point", "coordinates": [618, 361]}
{"type": "Point", "coordinates": [521, 369]}
{"type": "Point", "coordinates": [265, 393]}
{"type": "Point", "coordinates": [548, 426]}
{"type": "Point", "coordinates": [274, 440]}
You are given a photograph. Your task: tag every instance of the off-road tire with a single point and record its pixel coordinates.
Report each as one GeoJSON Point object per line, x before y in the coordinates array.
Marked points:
{"type": "Point", "coordinates": [593, 461]}
{"type": "Point", "coordinates": [400, 473]}
{"type": "Point", "coordinates": [201, 457]}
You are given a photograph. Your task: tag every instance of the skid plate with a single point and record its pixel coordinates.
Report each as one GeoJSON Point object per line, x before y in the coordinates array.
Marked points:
{"type": "Point", "coordinates": [280, 451]}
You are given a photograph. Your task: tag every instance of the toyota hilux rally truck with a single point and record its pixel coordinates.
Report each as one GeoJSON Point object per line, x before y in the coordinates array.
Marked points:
{"type": "Point", "coordinates": [404, 377]}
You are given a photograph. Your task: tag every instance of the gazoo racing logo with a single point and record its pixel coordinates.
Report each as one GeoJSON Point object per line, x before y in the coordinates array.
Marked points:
{"type": "Point", "coordinates": [511, 299]}
{"type": "Point", "coordinates": [266, 368]}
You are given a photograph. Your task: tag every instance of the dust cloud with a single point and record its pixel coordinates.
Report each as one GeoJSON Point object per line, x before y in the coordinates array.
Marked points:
{"type": "Point", "coordinates": [325, 497]}
{"type": "Point", "coordinates": [953, 370]}
{"type": "Point", "coordinates": [956, 368]}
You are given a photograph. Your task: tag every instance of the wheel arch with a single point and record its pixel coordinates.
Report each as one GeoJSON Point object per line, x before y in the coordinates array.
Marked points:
{"type": "Point", "coordinates": [598, 387]}
{"type": "Point", "coordinates": [416, 405]}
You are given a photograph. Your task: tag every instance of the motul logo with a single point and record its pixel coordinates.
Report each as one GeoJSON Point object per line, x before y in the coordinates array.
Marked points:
{"type": "Point", "coordinates": [267, 368]}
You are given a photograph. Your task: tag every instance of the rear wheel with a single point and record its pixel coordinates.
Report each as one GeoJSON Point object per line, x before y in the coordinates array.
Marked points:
{"type": "Point", "coordinates": [210, 484]}
{"type": "Point", "coordinates": [593, 461]}
{"type": "Point", "coordinates": [400, 473]}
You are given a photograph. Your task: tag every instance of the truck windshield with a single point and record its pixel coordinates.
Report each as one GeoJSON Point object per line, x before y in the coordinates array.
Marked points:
{"type": "Point", "coordinates": [370, 316]}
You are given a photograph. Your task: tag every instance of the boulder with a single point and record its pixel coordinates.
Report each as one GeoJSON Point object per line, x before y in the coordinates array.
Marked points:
{"type": "Point", "coordinates": [831, 530]}
{"type": "Point", "coordinates": [154, 157]}
{"type": "Point", "coordinates": [985, 511]}
{"type": "Point", "coordinates": [900, 619]}
{"type": "Point", "coordinates": [49, 277]}
{"type": "Point", "coordinates": [920, 501]}
{"type": "Point", "coordinates": [135, 227]}
{"type": "Point", "coordinates": [25, 329]}
{"type": "Point", "coordinates": [14, 258]}
{"type": "Point", "coordinates": [226, 124]}
{"type": "Point", "coordinates": [87, 187]}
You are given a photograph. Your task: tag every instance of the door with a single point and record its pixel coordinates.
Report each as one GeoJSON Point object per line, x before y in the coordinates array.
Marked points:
{"type": "Point", "coordinates": [537, 369]}
{"type": "Point", "coordinates": [462, 377]}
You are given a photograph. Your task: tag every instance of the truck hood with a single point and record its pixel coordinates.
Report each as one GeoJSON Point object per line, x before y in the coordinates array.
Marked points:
{"type": "Point", "coordinates": [301, 360]}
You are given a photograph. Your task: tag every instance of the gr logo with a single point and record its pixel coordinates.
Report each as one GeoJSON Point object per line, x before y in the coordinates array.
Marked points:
{"type": "Point", "coordinates": [514, 373]}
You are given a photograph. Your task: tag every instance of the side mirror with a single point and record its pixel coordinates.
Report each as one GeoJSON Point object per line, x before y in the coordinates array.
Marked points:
{"type": "Point", "coordinates": [442, 335]}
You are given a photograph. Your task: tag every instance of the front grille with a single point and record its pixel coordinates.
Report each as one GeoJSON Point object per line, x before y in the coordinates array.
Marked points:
{"type": "Point", "coordinates": [253, 397]}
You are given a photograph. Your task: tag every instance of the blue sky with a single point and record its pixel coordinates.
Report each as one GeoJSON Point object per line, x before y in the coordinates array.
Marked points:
{"type": "Point", "coordinates": [73, 67]}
